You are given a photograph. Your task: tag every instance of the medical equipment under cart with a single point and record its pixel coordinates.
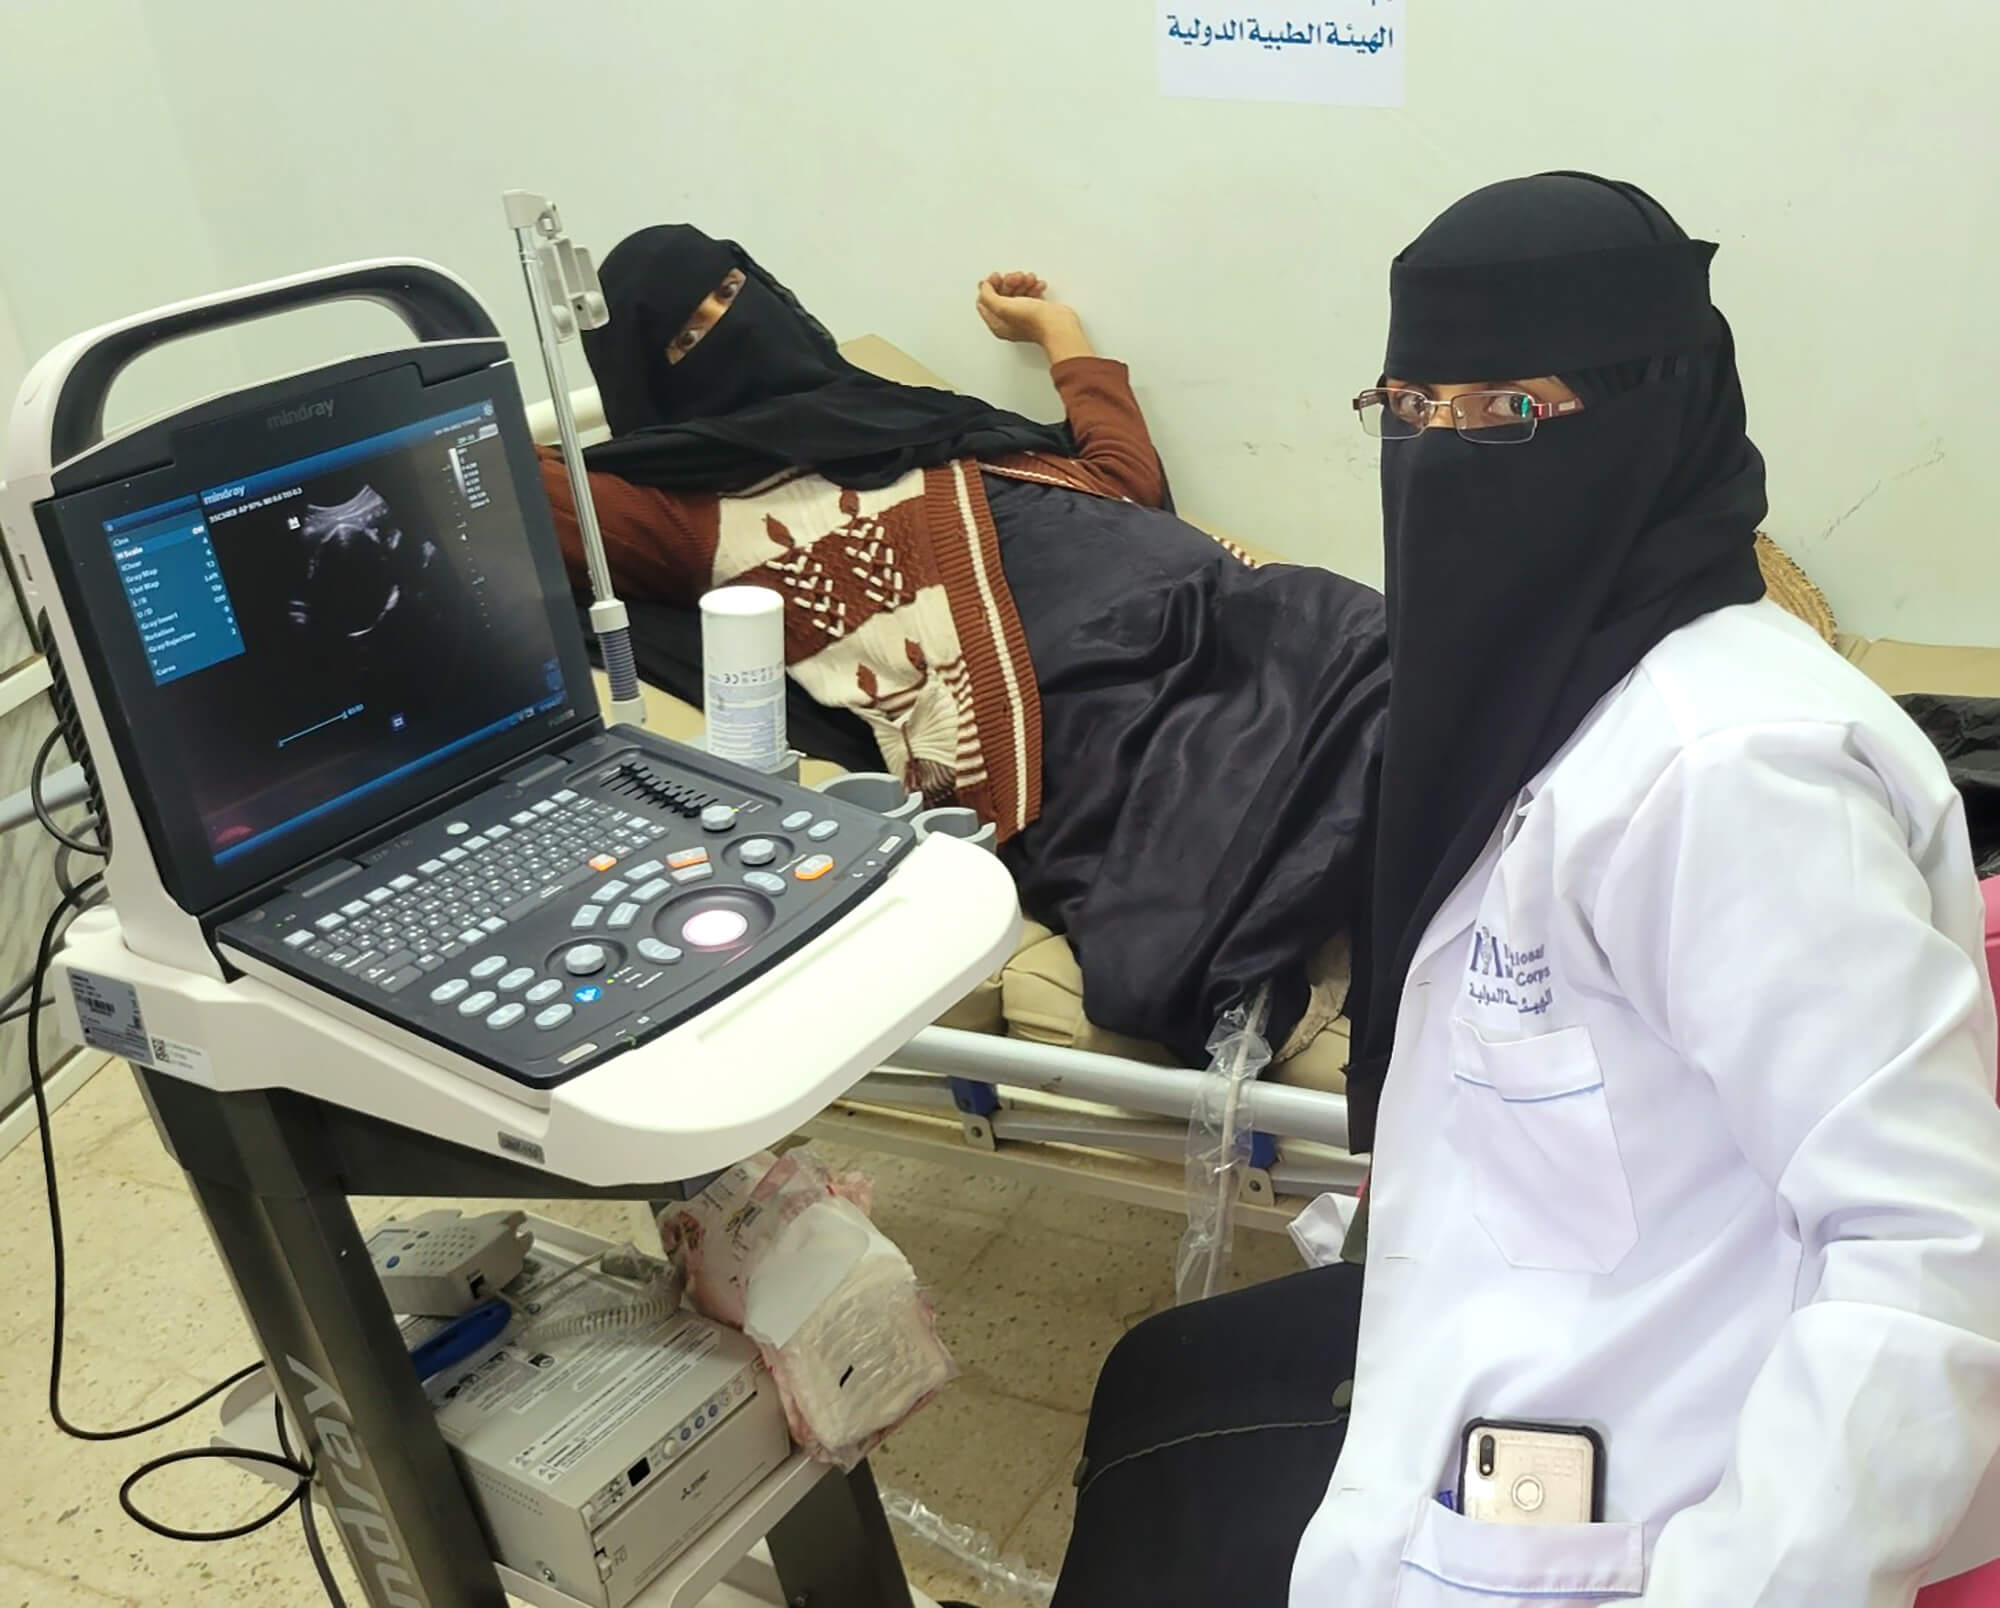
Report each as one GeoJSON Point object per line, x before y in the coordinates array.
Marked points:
{"type": "Point", "coordinates": [394, 912]}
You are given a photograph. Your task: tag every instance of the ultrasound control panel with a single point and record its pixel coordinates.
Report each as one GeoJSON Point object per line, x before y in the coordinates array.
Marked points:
{"type": "Point", "coordinates": [585, 905]}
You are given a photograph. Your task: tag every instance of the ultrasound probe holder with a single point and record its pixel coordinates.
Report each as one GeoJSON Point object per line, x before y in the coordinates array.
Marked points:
{"type": "Point", "coordinates": [565, 298]}
{"type": "Point", "coordinates": [279, 1110]}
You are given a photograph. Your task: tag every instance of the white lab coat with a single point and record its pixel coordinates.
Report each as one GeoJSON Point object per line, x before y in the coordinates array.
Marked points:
{"type": "Point", "coordinates": [1691, 1136]}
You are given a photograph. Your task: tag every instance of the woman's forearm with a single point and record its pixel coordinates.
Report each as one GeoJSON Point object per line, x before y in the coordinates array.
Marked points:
{"type": "Point", "coordinates": [1061, 335]}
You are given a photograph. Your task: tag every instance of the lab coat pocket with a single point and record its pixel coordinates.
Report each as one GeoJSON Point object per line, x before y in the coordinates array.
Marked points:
{"type": "Point", "coordinates": [1450, 1561]}
{"type": "Point", "coordinates": [1530, 1118]}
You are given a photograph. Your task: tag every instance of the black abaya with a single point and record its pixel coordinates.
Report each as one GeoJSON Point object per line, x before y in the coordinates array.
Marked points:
{"type": "Point", "coordinates": [1210, 734]}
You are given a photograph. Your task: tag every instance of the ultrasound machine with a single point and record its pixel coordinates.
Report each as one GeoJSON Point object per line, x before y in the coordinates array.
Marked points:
{"type": "Point", "coordinates": [392, 910]}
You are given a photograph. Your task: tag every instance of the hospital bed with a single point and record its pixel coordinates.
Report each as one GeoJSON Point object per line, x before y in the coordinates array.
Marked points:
{"type": "Point", "coordinates": [1015, 1079]}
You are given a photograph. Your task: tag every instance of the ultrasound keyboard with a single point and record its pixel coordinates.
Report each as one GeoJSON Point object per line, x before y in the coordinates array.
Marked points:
{"type": "Point", "coordinates": [588, 904]}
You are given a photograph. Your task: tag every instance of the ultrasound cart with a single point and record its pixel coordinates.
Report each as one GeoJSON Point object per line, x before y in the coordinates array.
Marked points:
{"type": "Point", "coordinates": [392, 910]}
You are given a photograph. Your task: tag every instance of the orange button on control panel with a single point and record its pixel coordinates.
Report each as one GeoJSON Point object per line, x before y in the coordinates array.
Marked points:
{"type": "Point", "coordinates": [681, 859]}
{"type": "Point", "coordinates": [603, 862]}
{"type": "Point", "coordinates": [813, 868]}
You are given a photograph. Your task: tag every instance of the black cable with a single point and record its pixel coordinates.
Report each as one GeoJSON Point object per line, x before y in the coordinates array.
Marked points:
{"type": "Point", "coordinates": [308, 1519]}
{"type": "Point", "coordinates": [37, 1087]}
{"type": "Point", "coordinates": [300, 1492]}
{"type": "Point", "coordinates": [42, 813]}
{"type": "Point", "coordinates": [199, 1454]}
{"type": "Point", "coordinates": [76, 897]}
{"type": "Point", "coordinates": [41, 808]}
{"type": "Point", "coordinates": [64, 851]}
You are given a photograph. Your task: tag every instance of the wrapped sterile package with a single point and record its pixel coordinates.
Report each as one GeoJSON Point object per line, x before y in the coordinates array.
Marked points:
{"type": "Point", "coordinates": [782, 1249]}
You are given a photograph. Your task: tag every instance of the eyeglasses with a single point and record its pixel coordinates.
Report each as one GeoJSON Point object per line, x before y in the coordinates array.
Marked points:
{"type": "Point", "coordinates": [1492, 418]}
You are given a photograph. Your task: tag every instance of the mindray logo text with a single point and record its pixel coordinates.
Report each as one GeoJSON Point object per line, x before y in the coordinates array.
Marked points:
{"type": "Point", "coordinates": [299, 415]}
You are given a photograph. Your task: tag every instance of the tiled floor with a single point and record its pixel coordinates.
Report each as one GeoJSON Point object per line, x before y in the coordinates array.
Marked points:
{"type": "Point", "coordinates": [1032, 1288]}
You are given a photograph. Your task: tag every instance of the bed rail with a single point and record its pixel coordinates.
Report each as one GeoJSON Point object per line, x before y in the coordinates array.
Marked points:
{"type": "Point", "coordinates": [1167, 1091]}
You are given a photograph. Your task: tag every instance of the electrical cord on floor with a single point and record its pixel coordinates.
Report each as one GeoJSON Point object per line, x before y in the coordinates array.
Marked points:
{"type": "Point", "coordinates": [301, 1492]}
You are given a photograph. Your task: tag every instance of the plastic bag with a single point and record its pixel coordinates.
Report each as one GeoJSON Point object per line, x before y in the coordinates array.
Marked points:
{"type": "Point", "coordinates": [1004, 1576]}
{"type": "Point", "coordinates": [1219, 1149]}
{"type": "Point", "coordinates": [781, 1248]}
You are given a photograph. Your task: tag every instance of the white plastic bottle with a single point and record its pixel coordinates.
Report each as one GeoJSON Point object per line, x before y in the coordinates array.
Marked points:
{"type": "Point", "coordinates": [743, 671]}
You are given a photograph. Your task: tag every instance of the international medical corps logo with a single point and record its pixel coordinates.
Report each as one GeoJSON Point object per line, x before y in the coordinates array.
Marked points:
{"type": "Point", "coordinates": [1515, 979]}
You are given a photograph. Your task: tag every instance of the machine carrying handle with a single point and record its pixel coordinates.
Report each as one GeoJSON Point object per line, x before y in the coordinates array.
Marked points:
{"type": "Point", "coordinates": [435, 306]}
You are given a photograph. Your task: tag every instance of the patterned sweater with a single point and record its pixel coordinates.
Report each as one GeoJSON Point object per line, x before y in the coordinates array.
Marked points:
{"type": "Point", "coordinates": [896, 604]}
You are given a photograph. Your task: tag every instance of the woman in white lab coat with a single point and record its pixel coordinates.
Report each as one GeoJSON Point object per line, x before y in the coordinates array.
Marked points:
{"type": "Point", "coordinates": [1677, 1058]}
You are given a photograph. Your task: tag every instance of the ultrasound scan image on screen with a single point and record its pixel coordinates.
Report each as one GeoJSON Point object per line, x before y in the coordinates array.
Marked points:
{"type": "Point", "coordinates": [321, 629]}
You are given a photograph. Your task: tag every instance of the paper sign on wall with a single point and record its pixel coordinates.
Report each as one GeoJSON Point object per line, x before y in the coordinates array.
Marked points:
{"type": "Point", "coordinates": [1338, 53]}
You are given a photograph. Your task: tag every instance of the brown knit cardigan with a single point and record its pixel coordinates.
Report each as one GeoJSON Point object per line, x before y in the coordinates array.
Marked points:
{"type": "Point", "coordinates": [896, 604]}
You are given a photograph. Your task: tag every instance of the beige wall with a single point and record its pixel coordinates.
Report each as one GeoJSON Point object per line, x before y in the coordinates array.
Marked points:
{"type": "Point", "coordinates": [880, 157]}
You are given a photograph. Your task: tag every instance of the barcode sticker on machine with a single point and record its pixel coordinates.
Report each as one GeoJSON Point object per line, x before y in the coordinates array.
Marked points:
{"type": "Point", "coordinates": [170, 1055]}
{"type": "Point", "coordinates": [111, 1018]}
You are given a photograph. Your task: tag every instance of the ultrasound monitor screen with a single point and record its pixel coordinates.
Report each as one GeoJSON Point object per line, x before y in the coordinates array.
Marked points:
{"type": "Point", "coordinates": [321, 630]}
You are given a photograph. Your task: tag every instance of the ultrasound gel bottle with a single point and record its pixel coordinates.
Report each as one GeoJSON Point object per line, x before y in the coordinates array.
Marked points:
{"type": "Point", "coordinates": [743, 675]}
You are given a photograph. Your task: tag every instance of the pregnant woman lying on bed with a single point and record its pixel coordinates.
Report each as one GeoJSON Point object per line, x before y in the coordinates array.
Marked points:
{"type": "Point", "coordinates": [1177, 748]}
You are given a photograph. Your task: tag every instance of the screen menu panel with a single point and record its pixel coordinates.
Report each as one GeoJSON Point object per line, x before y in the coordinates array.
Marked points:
{"type": "Point", "coordinates": [327, 627]}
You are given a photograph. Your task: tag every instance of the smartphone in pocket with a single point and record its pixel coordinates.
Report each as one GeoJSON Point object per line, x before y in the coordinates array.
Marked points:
{"type": "Point", "coordinates": [1519, 1473]}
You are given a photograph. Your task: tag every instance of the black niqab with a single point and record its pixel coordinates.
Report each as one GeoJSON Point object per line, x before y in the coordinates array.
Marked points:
{"type": "Point", "coordinates": [1524, 582]}
{"type": "Point", "coordinates": [766, 390]}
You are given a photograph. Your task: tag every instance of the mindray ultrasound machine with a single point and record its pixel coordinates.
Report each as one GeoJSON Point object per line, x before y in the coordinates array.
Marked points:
{"type": "Point", "coordinates": [392, 910]}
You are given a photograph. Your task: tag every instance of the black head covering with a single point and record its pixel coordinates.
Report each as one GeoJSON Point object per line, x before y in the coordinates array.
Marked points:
{"type": "Point", "coordinates": [766, 390]}
{"type": "Point", "coordinates": [1525, 581]}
